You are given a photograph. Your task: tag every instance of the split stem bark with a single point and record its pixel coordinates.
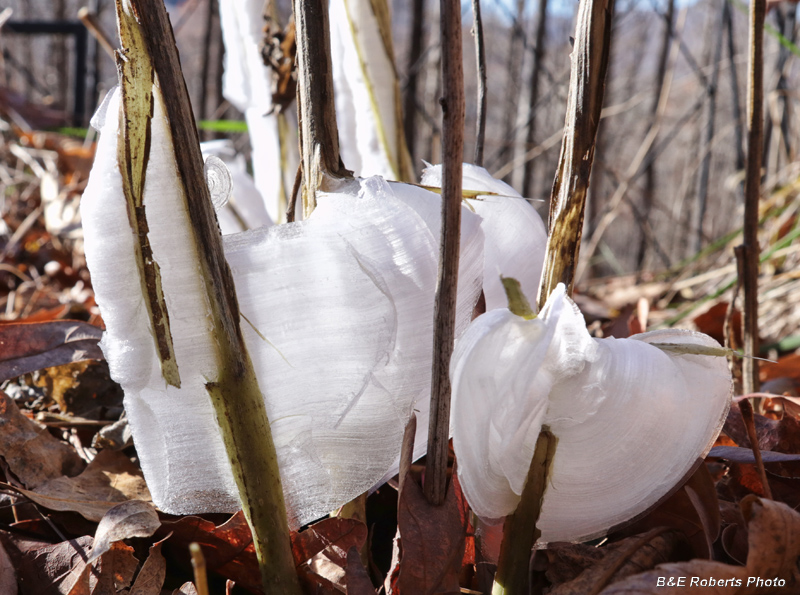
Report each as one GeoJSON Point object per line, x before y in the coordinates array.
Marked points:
{"type": "Point", "coordinates": [316, 110]}
{"type": "Point", "coordinates": [149, 46]}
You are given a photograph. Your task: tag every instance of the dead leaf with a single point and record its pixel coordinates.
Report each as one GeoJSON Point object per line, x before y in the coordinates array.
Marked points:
{"type": "Point", "coordinates": [431, 540]}
{"type": "Point", "coordinates": [773, 435]}
{"type": "Point", "coordinates": [133, 518]}
{"type": "Point", "coordinates": [712, 323]}
{"type": "Point", "coordinates": [773, 553]}
{"type": "Point", "coordinates": [357, 579]}
{"type": "Point", "coordinates": [31, 453]}
{"type": "Point", "coordinates": [227, 548]}
{"type": "Point", "coordinates": [44, 568]}
{"type": "Point", "coordinates": [627, 558]}
{"type": "Point", "coordinates": [186, 589]}
{"type": "Point", "coordinates": [114, 570]}
{"type": "Point", "coordinates": [332, 537]}
{"type": "Point", "coordinates": [27, 347]}
{"type": "Point", "coordinates": [151, 576]}
{"type": "Point", "coordinates": [787, 367]}
{"type": "Point", "coordinates": [111, 478]}
{"type": "Point", "coordinates": [8, 576]}
{"type": "Point", "coordinates": [566, 561]}
{"type": "Point", "coordinates": [82, 389]}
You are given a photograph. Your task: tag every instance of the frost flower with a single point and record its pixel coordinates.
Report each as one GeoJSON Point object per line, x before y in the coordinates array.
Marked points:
{"type": "Point", "coordinates": [631, 419]}
{"type": "Point", "coordinates": [337, 315]}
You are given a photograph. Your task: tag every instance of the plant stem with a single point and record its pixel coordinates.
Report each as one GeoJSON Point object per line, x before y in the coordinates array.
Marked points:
{"type": "Point", "coordinates": [584, 104]}
{"type": "Point", "coordinates": [480, 59]}
{"type": "Point", "coordinates": [239, 405]}
{"type": "Point", "coordinates": [519, 530]}
{"type": "Point", "coordinates": [567, 206]}
{"type": "Point", "coordinates": [453, 107]}
{"type": "Point", "coordinates": [755, 108]}
{"type": "Point", "coordinates": [316, 110]}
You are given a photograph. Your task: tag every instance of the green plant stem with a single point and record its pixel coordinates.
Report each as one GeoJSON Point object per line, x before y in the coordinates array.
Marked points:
{"type": "Point", "coordinates": [239, 405]}
{"type": "Point", "coordinates": [519, 531]}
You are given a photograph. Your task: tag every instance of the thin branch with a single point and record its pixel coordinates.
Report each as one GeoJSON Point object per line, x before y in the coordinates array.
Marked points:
{"type": "Point", "coordinates": [480, 58]}
{"type": "Point", "coordinates": [536, 70]}
{"type": "Point", "coordinates": [453, 107]}
{"type": "Point", "coordinates": [755, 122]}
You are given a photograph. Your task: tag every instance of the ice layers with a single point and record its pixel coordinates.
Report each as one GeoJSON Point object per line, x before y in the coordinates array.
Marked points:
{"type": "Point", "coordinates": [515, 234]}
{"type": "Point", "coordinates": [631, 419]}
{"type": "Point", "coordinates": [337, 314]}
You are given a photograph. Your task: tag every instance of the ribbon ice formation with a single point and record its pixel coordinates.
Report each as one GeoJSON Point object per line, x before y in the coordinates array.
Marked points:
{"type": "Point", "coordinates": [337, 313]}
{"type": "Point", "coordinates": [631, 420]}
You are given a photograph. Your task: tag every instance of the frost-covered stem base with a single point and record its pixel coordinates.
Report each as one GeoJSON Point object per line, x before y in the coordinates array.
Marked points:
{"type": "Point", "coordinates": [519, 530]}
{"type": "Point", "coordinates": [246, 433]}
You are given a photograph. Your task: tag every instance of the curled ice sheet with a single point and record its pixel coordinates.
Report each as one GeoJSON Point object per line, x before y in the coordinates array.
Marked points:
{"type": "Point", "coordinates": [371, 138]}
{"type": "Point", "coordinates": [631, 420]}
{"type": "Point", "coordinates": [247, 84]}
{"type": "Point", "coordinates": [245, 206]}
{"type": "Point", "coordinates": [218, 180]}
{"type": "Point", "coordinates": [337, 316]}
{"type": "Point", "coordinates": [515, 234]}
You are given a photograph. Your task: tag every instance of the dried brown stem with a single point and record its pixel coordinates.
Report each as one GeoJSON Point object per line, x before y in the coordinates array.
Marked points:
{"type": "Point", "coordinates": [568, 202]}
{"type": "Point", "coordinates": [316, 110]}
{"type": "Point", "coordinates": [453, 107]}
{"type": "Point", "coordinates": [746, 409]}
{"type": "Point", "coordinates": [584, 104]}
{"type": "Point", "coordinates": [755, 133]}
{"type": "Point", "coordinates": [480, 59]}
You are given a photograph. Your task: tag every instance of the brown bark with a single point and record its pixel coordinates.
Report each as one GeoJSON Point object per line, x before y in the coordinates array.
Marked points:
{"type": "Point", "coordinates": [453, 107]}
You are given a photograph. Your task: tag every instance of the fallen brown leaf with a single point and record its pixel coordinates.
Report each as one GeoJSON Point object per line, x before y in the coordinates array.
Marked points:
{"type": "Point", "coordinates": [27, 347]}
{"type": "Point", "coordinates": [227, 548]}
{"type": "Point", "coordinates": [566, 561]}
{"type": "Point", "coordinates": [31, 453]}
{"type": "Point", "coordinates": [114, 570]}
{"type": "Point", "coordinates": [774, 551]}
{"type": "Point", "coordinates": [47, 569]}
{"type": "Point", "coordinates": [693, 510]}
{"type": "Point", "coordinates": [357, 579]}
{"type": "Point", "coordinates": [185, 589]}
{"type": "Point", "coordinates": [133, 518]}
{"type": "Point", "coordinates": [432, 540]}
{"type": "Point", "coordinates": [109, 479]}
{"type": "Point", "coordinates": [627, 558]}
{"type": "Point", "coordinates": [151, 577]}
{"type": "Point", "coordinates": [8, 576]}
